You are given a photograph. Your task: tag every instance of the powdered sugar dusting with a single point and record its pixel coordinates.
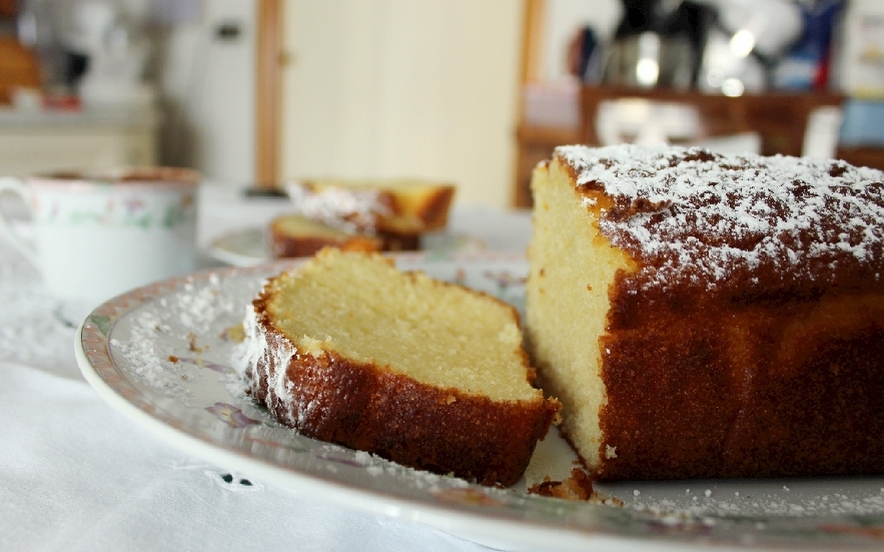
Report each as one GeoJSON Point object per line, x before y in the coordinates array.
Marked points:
{"type": "Point", "coordinates": [695, 217]}
{"type": "Point", "coordinates": [165, 342]}
{"type": "Point", "coordinates": [148, 361]}
{"type": "Point", "coordinates": [813, 498]}
{"type": "Point", "coordinates": [273, 370]}
{"type": "Point", "coordinates": [348, 208]}
{"type": "Point", "coordinates": [201, 305]}
{"type": "Point", "coordinates": [377, 466]}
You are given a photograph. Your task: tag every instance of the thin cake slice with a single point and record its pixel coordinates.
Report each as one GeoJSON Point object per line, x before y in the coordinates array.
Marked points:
{"type": "Point", "coordinates": [348, 349]}
{"type": "Point", "coordinates": [298, 236]}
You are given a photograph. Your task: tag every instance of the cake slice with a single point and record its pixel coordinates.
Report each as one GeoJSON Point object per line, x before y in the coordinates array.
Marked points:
{"type": "Point", "coordinates": [703, 315]}
{"type": "Point", "coordinates": [348, 349]}
{"type": "Point", "coordinates": [299, 236]}
{"type": "Point", "coordinates": [398, 207]}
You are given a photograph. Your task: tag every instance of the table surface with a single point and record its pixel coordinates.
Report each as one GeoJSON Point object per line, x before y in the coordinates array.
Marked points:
{"type": "Point", "coordinates": [77, 475]}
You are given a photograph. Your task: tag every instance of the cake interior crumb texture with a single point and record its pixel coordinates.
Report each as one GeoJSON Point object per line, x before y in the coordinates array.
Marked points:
{"type": "Point", "coordinates": [702, 315]}
{"type": "Point", "coordinates": [302, 226]}
{"type": "Point", "coordinates": [438, 335]}
{"type": "Point", "coordinates": [564, 292]}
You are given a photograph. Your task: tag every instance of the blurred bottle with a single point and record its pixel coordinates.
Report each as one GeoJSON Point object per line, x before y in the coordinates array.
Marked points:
{"type": "Point", "coordinates": [36, 29]}
{"type": "Point", "coordinates": [806, 65]}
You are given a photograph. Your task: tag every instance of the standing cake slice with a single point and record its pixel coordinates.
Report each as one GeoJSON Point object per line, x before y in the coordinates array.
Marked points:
{"type": "Point", "coordinates": [702, 315]}
{"type": "Point", "coordinates": [432, 375]}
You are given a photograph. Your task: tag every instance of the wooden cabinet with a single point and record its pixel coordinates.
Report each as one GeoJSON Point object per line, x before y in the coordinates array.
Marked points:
{"type": "Point", "coordinates": [780, 119]}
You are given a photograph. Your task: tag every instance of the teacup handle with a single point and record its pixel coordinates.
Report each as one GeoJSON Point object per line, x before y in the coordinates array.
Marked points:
{"type": "Point", "coordinates": [17, 187]}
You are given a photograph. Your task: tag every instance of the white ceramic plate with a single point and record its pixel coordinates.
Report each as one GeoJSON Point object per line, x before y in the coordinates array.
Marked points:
{"type": "Point", "coordinates": [248, 246]}
{"type": "Point", "coordinates": [164, 356]}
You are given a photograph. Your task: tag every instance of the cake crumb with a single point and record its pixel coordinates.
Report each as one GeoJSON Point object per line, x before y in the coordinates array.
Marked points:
{"type": "Point", "coordinates": [235, 333]}
{"type": "Point", "coordinates": [576, 487]}
{"type": "Point", "coordinates": [191, 343]}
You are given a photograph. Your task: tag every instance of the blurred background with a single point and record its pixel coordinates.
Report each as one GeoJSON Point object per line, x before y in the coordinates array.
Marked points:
{"type": "Point", "coordinates": [476, 92]}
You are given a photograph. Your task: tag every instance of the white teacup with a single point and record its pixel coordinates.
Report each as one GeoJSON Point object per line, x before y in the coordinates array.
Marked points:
{"type": "Point", "coordinates": [100, 234]}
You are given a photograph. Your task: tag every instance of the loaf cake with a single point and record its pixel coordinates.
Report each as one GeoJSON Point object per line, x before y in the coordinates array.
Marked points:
{"type": "Point", "coordinates": [299, 236]}
{"type": "Point", "coordinates": [348, 349]}
{"type": "Point", "coordinates": [398, 207]}
{"type": "Point", "coordinates": [708, 316]}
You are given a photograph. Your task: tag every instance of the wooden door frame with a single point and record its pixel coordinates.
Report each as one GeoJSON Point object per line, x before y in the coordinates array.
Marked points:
{"type": "Point", "coordinates": [268, 93]}
{"type": "Point", "coordinates": [529, 71]}
{"type": "Point", "coordinates": [270, 59]}
{"type": "Point", "coordinates": [532, 38]}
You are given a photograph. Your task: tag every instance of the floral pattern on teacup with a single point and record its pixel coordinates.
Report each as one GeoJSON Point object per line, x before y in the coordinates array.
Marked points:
{"type": "Point", "coordinates": [166, 209]}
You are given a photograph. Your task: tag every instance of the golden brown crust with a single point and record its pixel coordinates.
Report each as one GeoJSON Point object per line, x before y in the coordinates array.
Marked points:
{"type": "Point", "coordinates": [286, 243]}
{"type": "Point", "coordinates": [783, 388]}
{"type": "Point", "coordinates": [432, 209]}
{"type": "Point", "coordinates": [392, 241]}
{"type": "Point", "coordinates": [701, 223]}
{"type": "Point", "coordinates": [370, 408]}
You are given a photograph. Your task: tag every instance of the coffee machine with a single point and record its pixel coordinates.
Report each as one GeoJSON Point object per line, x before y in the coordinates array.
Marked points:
{"type": "Point", "coordinates": [725, 46]}
{"type": "Point", "coordinates": [658, 43]}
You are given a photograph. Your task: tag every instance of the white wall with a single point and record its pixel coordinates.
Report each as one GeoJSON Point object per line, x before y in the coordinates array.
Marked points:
{"type": "Point", "coordinates": [207, 89]}
{"type": "Point", "coordinates": [375, 88]}
{"type": "Point", "coordinates": [398, 88]}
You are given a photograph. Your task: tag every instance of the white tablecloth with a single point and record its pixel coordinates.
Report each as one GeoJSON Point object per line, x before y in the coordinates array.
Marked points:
{"type": "Point", "coordinates": [77, 475]}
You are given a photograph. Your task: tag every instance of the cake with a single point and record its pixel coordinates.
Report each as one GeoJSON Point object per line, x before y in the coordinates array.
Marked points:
{"type": "Point", "coordinates": [298, 236]}
{"type": "Point", "coordinates": [395, 214]}
{"type": "Point", "coordinates": [702, 315]}
{"type": "Point", "coordinates": [403, 207]}
{"type": "Point", "coordinates": [348, 349]}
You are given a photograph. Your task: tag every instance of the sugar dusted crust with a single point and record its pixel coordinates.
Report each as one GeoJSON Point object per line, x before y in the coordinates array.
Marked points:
{"type": "Point", "coordinates": [370, 407]}
{"type": "Point", "coordinates": [740, 323]}
{"type": "Point", "coordinates": [737, 224]}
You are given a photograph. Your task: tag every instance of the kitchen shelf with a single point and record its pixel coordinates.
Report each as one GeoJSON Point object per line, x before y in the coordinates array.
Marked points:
{"type": "Point", "coordinates": [779, 118]}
